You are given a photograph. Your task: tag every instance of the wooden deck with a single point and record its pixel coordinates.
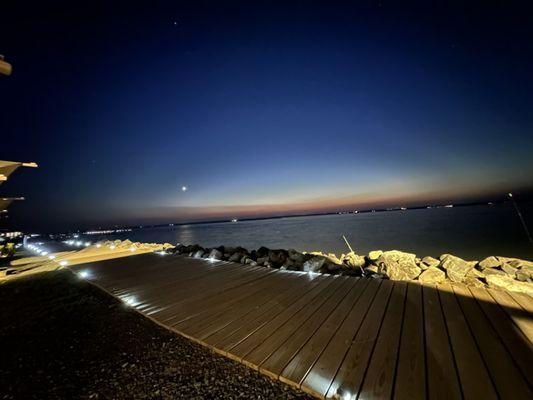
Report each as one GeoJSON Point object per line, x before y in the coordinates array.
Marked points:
{"type": "Point", "coordinates": [336, 336]}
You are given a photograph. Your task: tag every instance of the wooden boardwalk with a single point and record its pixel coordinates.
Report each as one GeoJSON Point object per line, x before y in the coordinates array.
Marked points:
{"type": "Point", "coordinates": [333, 336]}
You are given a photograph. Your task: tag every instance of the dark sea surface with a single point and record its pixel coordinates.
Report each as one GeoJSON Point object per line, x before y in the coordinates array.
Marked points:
{"type": "Point", "coordinates": [471, 232]}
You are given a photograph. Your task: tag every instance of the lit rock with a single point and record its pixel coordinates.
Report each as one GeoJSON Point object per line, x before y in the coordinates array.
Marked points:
{"type": "Point", "coordinates": [509, 270]}
{"type": "Point", "coordinates": [515, 262]}
{"type": "Point", "coordinates": [198, 254]}
{"type": "Point", "coordinates": [374, 255]}
{"type": "Point", "coordinates": [527, 271]}
{"type": "Point", "coordinates": [215, 254]}
{"type": "Point", "coordinates": [456, 268]}
{"type": "Point", "coordinates": [489, 262]}
{"type": "Point", "coordinates": [398, 266]}
{"type": "Point", "coordinates": [474, 273]}
{"type": "Point", "coordinates": [506, 282]}
{"type": "Point", "coordinates": [429, 261]}
{"type": "Point", "coordinates": [432, 275]}
{"type": "Point", "coordinates": [493, 271]}
{"type": "Point", "coordinates": [354, 260]}
{"type": "Point", "coordinates": [314, 264]}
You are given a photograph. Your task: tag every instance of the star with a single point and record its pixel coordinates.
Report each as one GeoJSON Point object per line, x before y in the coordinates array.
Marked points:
{"type": "Point", "coordinates": [184, 188]}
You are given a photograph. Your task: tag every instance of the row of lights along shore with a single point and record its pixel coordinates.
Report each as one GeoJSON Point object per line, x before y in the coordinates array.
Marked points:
{"type": "Point", "coordinates": [38, 249]}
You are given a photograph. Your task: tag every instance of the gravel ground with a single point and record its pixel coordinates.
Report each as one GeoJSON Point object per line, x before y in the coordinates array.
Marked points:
{"type": "Point", "coordinates": [63, 338]}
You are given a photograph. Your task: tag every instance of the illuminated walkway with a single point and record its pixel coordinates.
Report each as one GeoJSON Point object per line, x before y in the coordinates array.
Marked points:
{"type": "Point", "coordinates": [337, 336]}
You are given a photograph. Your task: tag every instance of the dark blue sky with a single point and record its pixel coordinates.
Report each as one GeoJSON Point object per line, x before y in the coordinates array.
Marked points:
{"type": "Point", "coordinates": [262, 108]}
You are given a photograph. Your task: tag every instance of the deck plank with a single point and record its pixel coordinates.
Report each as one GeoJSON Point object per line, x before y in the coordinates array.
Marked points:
{"type": "Point", "coordinates": [509, 382]}
{"type": "Point", "coordinates": [525, 301]}
{"type": "Point", "coordinates": [513, 338]}
{"type": "Point", "coordinates": [209, 302]}
{"type": "Point", "coordinates": [241, 350]}
{"type": "Point", "coordinates": [473, 375]}
{"type": "Point", "coordinates": [442, 379]}
{"type": "Point", "coordinates": [410, 380]}
{"type": "Point", "coordinates": [379, 379]}
{"type": "Point", "coordinates": [238, 330]}
{"type": "Point", "coordinates": [277, 338]}
{"type": "Point", "coordinates": [335, 335]}
{"type": "Point", "coordinates": [518, 315]}
{"type": "Point", "coordinates": [275, 363]}
{"type": "Point", "coordinates": [350, 375]}
{"type": "Point", "coordinates": [296, 370]}
{"type": "Point", "coordinates": [319, 378]}
{"type": "Point", "coordinates": [297, 365]}
{"type": "Point", "coordinates": [201, 328]}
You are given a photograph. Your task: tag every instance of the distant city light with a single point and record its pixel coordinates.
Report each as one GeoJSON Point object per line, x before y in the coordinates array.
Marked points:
{"type": "Point", "coordinates": [63, 263]}
{"type": "Point", "coordinates": [51, 257]}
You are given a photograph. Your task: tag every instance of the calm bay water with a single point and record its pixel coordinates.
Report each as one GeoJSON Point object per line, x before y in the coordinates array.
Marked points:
{"type": "Point", "coordinates": [472, 232]}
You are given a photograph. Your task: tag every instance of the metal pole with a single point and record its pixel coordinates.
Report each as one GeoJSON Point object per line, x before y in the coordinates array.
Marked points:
{"type": "Point", "coordinates": [521, 219]}
{"type": "Point", "coordinates": [350, 247]}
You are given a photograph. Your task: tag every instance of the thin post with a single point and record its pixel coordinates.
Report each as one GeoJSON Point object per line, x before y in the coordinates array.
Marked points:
{"type": "Point", "coordinates": [350, 247]}
{"type": "Point", "coordinates": [347, 244]}
{"type": "Point", "coordinates": [521, 219]}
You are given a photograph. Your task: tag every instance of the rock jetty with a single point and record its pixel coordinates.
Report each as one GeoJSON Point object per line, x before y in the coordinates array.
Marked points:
{"type": "Point", "coordinates": [504, 273]}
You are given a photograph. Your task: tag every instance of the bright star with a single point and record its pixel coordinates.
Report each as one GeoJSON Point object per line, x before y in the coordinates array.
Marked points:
{"type": "Point", "coordinates": [184, 188]}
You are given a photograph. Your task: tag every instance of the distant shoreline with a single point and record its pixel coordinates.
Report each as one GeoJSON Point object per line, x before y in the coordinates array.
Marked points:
{"type": "Point", "coordinates": [341, 212]}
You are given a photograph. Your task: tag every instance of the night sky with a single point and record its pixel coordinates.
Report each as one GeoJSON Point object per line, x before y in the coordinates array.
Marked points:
{"type": "Point", "coordinates": [261, 108]}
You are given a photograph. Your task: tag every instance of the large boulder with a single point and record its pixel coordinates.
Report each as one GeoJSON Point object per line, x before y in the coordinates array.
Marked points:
{"type": "Point", "coordinates": [353, 260]}
{"type": "Point", "coordinates": [277, 257]}
{"type": "Point", "coordinates": [526, 271]}
{"type": "Point", "coordinates": [262, 261]}
{"type": "Point", "coordinates": [515, 262]}
{"type": "Point", "coordinates": [429, 261]}
{"type": "Point", "coordinates": [398, 265]}
{"type": "Point", "coordinates": [236, 257]}
{"type": "Point", "coordinates": [198, 254]}
{"type": "Point", "coordinates": [371, 269]}
{"type": "Point", "coordinates": [314, 264]}
{"type": "Point", "coordinates": [215, 254]}
{"type": "Point", "coordinates": [493, 271]}
{"type": "Point", "coordinates": [509, 269]}
{"type": "Point", "coordinates": [432, 275]}
{"type": "Point", "coordinates": [374, 255]}
{"type": "Point", "coordinates": [474, 273]}
{"type": "Point", "coordinates": [262, 252]}
{"type": "Point", "coordinates": [332, 267]}
{"type": "Point", "coordinates": [505, 282]}
{"type": "Point", "coordinates": [296, 256]}
{"type": "Point", "coordinates": [489, 262]}
{"type": "Point", "coordinates": [456, 268]}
